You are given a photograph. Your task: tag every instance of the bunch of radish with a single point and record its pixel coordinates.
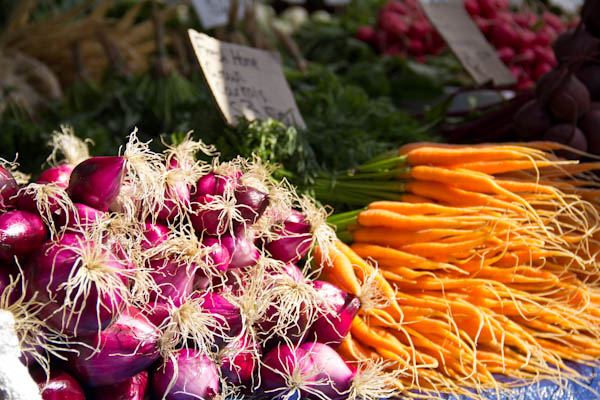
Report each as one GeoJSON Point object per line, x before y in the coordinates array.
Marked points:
{"type": "Point", "coordinates": [157, 275]}
{"type": "Point", "coordinates": [566, 107]}
{"type": "Point", "coordinates": [522, 39]}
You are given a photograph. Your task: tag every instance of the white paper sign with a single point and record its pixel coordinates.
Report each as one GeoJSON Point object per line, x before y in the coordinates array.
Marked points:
{"type": "Point", "coordinates": [465, 39]}
{"type": "Point", "coordinates": [213, 13]}
{"type": "Point", "coordinates": [246, 82]}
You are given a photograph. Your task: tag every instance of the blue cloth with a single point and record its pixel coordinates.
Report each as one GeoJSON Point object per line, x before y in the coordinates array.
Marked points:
{"type": "Point", "coordinates": [589, 389]}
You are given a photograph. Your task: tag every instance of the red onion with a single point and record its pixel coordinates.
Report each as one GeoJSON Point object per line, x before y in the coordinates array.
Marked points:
{"type": "Point", "coordinates": [58, 175]}
{"type": "Point", "coordinates": [174, 279]}
{"type": "Point", "coordinates": [120, 351]}
{"type": "Point", "coordinates": [195, 376]}
{"type": "Point", "coordinates": [333, 376]}
{"type": "Point", "coordinates": [46, 199]}
{"type": "Point", "coordinates": [219, 257]}
{"type": "Point", "coordinates": [97, 181]}
{"type": "Point", "coordinates": [242, 250]}
{"type": "Point", "coordinates": [207, 184]}
{"type": "Point", "coordinates": [238, 362]}
{"type": "Point", "coordinates": [209, 215]}
{"type": "Point", "coordinates": [154, 234]}
{"type": "Point", "coordinates": [8, 188]}
{"type": "Point", "coordinates": [83, 284]}
{"type": "Point", "coordinates": [294, 241]}
{"type": "Point", "coordinates": [177, 195]}
{"type": "Point", "coordinates": [225, 184]}
{"type": "Point", "coordinates": [81, 216]}
{"type": "Point", "coordinates": [229, 315]}
{"type": "Point", "coordinates": [251, 203]}
{"type": "Point", "coordinates": [134, 388]}
{"type": "Point", "coordinates": [334, 326]}
{"type": "Point", "coordinates": [58, 386]}
{"type": "Point", "coordinates": [21, 232]}
{"type": "Point", "coordinates": [313, 370]}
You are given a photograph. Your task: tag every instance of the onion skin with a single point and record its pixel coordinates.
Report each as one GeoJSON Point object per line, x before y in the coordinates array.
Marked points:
{"type": "Point", "coordinates": [127, 347]}
{"type": "Point", "coordinates": [60, 386]}
{"type": "Point", "coordinates": [206, 220]}
{"type": "Point", "coordinates": [58, 175]}
{"type": "Point", "coordinates": [198, 377]}
{"type": "Point", "coordinates": [50, 266]}
{"type": "Point", "coordinates": [331, 369]}
{"type": "Point", "coordinates": [225, 184]}
{"type": "Point", "coordinates": [154, 234]}
{"type": "Point", "coordinates": [251, 203]}
{"type": "Point", "coordinates": [8, 188]}
{"type": "Point", "coordinates": [175, 280]}
{"type": "Point", "coordinates": [332, 328]}
{"type": "Point", "coordinates": [133, 388]}
{"type": "Point", "coordinates": [216, 304]}
{"type": "Point", "coordinates": [175, 194]}
{"type": "Point", "coordinates": [219, 257]}
{"type": "Point", "coordinates": [82, 217]}
{"type": "Point", "coordinates": [21, 233]}
{"type": "Point", "coordinates": [96, 181]}
{"type": "Point", "coordinates": [240, 369]}
{"type": "Point", "coordinates": [242, 250]}
{"type": "Point", "coordinates": [207, 184]}
{"type": "Point", "coordinates": [282, 358]}
{"type": "Point", "coordinates": [295, 241]}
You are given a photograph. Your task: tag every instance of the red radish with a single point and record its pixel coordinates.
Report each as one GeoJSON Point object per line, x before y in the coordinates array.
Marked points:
{"type": "Point", "coordinates": [119, 352]}
{"type": "Point", "coordinates": [472, 7]}
{"type": "Point", "coordinates": [58, 386]}
{"type": "Point", "coordinates": [21, 233]}
{"type": "Point", "coordinates": [502, 34]}
{"type": "Point", "coordinates": [187, 375]}
{"type": "Point", "coordinates": [544, 54]}
{"type": "Point", "coordinates": [394, 24]}
{"type": "Point", "coordinates": [541, 70]}
{"type": "Point", "coordinates": [506, 54]}
{"type": "Point", "coordinates": [366, 34]}
{"type": "Point", "coordinates": [96, 181]}
{"type": "Point", "coordinates": [83, 284]}
{"type": "Point", "coordinates": [133, 388]}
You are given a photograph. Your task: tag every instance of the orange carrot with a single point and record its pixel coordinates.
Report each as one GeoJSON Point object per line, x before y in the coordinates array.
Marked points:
{"type": "Point", "coordinates": [465, 154]}
{"type": "Point", "coordinates": [388, 219]}
{"type": "Point", "coordinates": [338, 265]}
{"type": "Point", "coordinates": [503, 166]}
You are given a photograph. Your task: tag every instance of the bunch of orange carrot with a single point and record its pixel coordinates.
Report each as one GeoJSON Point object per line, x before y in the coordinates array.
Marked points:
{"type": "Point", "coordinates": [485, 262]}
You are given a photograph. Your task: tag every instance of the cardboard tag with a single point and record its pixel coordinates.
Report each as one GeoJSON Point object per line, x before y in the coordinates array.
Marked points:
{"type": "Point", "coordinates": [245, 81]}
{"type": "Point", "coordinates": [213, 13]}
{"type": "Point", "coordinates": [465, 39]}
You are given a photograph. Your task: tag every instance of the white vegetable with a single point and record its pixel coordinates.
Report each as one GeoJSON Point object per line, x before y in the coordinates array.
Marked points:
{"type": "Point", "coordinates": [15, 382]}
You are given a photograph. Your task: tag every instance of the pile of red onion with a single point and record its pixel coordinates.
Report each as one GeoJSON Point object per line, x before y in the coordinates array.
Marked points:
{"type": "Point", "coordinates": [155, 275]}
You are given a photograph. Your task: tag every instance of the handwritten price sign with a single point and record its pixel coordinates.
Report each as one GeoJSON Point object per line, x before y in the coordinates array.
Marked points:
{"type": "Point", "coordinates": [466, 41]}
{"type": "Point", "coordinates": [245, 82]}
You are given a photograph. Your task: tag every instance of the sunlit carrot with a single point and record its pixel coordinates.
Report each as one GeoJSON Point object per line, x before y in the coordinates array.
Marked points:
{"type": "Point", "coordinates": [466, 154]}
{"type": "Point", "coordinates": [503, 166]}
{"type": "Point", "coordinates": [339, 265]}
